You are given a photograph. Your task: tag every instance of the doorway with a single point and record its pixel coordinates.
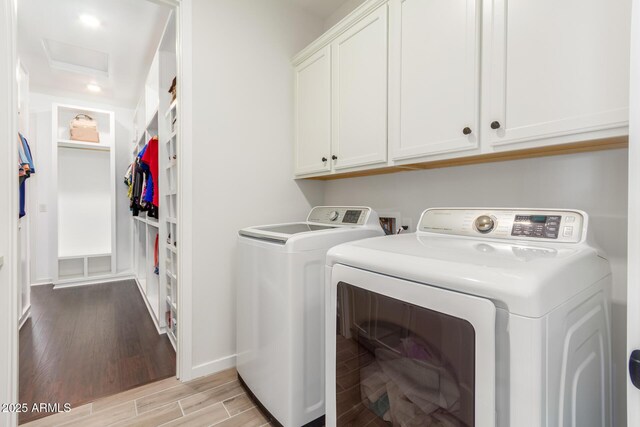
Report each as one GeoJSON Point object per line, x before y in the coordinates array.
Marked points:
{"type": "Point", "coordinates": [97, 272]}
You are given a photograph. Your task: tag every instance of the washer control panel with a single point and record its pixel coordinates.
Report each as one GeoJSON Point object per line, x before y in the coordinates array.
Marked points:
{"type": "Point", "coordinates": [541, 226]}
{"type": "Point", "coordinates": [339, 215]}
{"type": "Point", "coordinates": [564, 226]}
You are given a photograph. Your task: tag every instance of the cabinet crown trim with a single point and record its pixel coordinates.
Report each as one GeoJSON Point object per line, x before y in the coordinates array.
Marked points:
{"type": "Point", "coordinates": [332, 33]}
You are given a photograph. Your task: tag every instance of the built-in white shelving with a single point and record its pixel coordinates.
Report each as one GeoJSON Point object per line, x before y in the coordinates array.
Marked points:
{"type": "Point", "coordinates": [169, 139]}
{"type": "Point", "coordinates": [84, 145]}
{"type": "Point", "coordinates": [145, 231]}
{"type": "Point", "coordinates": [157, 115]}
{"type": "Point", "coordinates": [85, 233]}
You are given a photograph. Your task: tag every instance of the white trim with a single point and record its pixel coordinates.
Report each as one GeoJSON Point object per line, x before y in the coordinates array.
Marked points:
{"type": "Point", "coordinates": [98, 280]}
{"type": "Point", "coordinates": [185, 369]}
{"type": "Point", "coordinates": [169, 3]}
{"type": "Point", "coordinates": [9, 311]}
{"type": "Point", "coordinates": [149, 308]}
{"type": "Point", "coordinates": [350, 20]}
{"type": "Point", "coordinates": [25, 315]}
{"type": "Point", "coordinates": [214, 366]}
{"type": "Point", "coordinates": [633, 243]}
{"type": "Point", "coordinates": [42, 282]}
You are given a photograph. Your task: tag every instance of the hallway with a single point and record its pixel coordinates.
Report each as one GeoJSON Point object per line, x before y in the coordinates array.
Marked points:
{"type": "Point", "coordinates": [87, 342]}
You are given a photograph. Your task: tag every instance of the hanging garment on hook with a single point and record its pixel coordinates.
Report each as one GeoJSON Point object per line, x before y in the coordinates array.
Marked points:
{"type": "Point", "coordinates": [150, 158]}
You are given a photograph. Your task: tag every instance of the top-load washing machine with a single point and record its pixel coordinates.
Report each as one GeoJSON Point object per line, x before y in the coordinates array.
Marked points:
{"type": "Point", "coordinates": [280, 309]}
{"type": "Point", "coordinates": [483, 317]}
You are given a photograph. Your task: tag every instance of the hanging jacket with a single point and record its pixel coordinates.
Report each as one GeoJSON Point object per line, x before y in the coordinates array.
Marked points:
{"type": "Point", "coordinates": [150, 158]}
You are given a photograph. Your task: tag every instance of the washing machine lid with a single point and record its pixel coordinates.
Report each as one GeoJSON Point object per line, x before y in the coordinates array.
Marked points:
{"type": "Point", "coordinates": [283, 232]}
{"type": "Point", "coordinates": [321, 222]}
{"type": "Point", "coordinates": [525, 278]}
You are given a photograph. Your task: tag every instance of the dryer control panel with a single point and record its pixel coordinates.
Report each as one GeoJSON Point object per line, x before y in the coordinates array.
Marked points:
{"type": "Point", "coordinates": [563, 226]}
{"type": "Point", "coordinates": [339, 215]}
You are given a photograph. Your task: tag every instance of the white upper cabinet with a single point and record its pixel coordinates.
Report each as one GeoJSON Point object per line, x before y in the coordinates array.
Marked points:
{"type": "Point", "coordinates": [399, 82]}
{"type": "Point", "coordinates": [313, 114]}
{"type": "Point", "coordinates": [434, 88]}
{"type": "Point", "coordinates": [359, 78]}
{"type": "Point", "coordinates": [554, 71]}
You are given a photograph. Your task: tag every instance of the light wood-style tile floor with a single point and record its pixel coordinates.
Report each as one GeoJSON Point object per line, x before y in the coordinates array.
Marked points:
{"type": "Point", "coordinates": [217, 400]}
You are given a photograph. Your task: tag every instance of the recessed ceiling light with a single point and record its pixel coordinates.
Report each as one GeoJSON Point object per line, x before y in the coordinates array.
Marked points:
{"type": "Point", "coordinates": [89, 21]}
{"type": "Point", "coordinates": [92, 87]}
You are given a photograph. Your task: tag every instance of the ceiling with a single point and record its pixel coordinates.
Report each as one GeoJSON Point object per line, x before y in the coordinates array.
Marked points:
{"type": "Point", "coordinates": [116, 55]}
{"type": "Point", "coordinates": [320, 8]}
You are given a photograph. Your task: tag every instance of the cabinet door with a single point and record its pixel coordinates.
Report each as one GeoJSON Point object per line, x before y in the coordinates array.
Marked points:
{"type": "Point", "coordinates": [313, 114]}
{"type": "Point", "coordinates": [434, 93]}
{"type": "Point", "coordinates": [554, 69]}
{"type": "Point", "coordinates": [360, 93]}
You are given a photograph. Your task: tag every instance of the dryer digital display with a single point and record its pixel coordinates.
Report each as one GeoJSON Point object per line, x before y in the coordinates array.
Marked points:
{"type": "Point", "coordinates": [351, 217]}
{"type": "Point", "coordinates": [542, 226]}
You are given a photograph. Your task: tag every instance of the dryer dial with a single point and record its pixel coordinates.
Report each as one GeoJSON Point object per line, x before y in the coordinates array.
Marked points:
{"type": "Point", "coordinates": [484, 224]}
{"type": "Point", "coordinates": [333, 215]}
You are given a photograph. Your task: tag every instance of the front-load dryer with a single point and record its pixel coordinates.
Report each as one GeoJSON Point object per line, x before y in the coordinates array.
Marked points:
{"type": "Point", "coordinates": [483, 317]}
{"type": "Point", "coordinates": [280, 308]}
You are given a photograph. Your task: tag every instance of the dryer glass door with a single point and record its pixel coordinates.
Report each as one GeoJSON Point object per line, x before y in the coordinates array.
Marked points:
{"type": "Point", "coordinates": [404, 357]}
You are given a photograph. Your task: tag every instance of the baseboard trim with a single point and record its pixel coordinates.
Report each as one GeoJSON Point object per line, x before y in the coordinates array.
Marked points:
{"type": "Point", "coordinates": [96, 281]}
{"type": "Point", "coordinates": [25, 315]}
{"type": "Point", "coordinates": [161, 330]}
{"type": "Point", "coordinates": [43, 283]}
{"type": "Point", "coordinates": [213, 367]}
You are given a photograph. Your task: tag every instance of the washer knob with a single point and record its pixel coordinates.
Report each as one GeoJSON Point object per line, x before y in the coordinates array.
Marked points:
{"type": "Point", "coordinates": [484, 224]}
{"type": "Point", "coordinates": [333, 215]}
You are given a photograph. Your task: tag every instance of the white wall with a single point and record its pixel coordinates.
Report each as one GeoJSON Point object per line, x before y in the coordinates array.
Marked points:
{"type": "Point", "coordinates": [343, 11]}
{"type": "Point", "coordinates": [242, 150]}
{"type": "Point", "coordinates": [594, 182]}
{"type": "Point", "coordinates": [42, 200]}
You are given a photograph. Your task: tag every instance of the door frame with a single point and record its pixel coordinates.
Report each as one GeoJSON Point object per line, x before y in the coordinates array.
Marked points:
{"type": "Point", "coordinates": [184, 354]}
{"type": "Point", "coordinates": [9, 355]}
{"type": "Point", "coordinates": [479, 312]}
{"type": "Point", "coordinates": [633, 231]}
{"type": "Point", "coordinates": [8, 218]}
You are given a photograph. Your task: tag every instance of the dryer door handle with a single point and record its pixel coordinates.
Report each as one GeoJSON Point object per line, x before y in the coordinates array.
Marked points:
{"type": "Point", "coordinates": [634, 368]}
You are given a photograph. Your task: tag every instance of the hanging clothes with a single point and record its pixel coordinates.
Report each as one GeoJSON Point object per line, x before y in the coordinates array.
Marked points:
{"type": "Point", "coordinates": [128, 181]}
{"type": "Point", "coordinates": [141, 178]}
{"type": "Point", "coordinates": [24, 152]}
{"type": "Point", "coordinates": [156, 263]}
{"type": "Point", "coordinates": [26, 167]}
{"type": "Point", "coordinates": [138, 181]}
{"type": "Point", "coordinates": [150, 158]}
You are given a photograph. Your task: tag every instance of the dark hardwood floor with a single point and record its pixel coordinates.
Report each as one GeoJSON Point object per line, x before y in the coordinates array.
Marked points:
{"type": "Point", "coordinates": [87, 342]}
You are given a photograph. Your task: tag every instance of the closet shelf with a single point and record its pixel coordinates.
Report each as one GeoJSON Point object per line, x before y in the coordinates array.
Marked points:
{"type": "Point", "coordinates": [171, 303]}
{"type": "Point", "coordinates": [76, 256]}
{"type": "Point", "coordinates": [142, 140]}
{"type": "Point", "coordinates": [171, 107]}
{"type": "Point", "coordinates": [82, 145]}
{"type": "Point", "coordinates": [172, 136]}
{"type": "Point", "coordinates": [148, 221]}
{"type": "Point", "coordinates": [153, 123]}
